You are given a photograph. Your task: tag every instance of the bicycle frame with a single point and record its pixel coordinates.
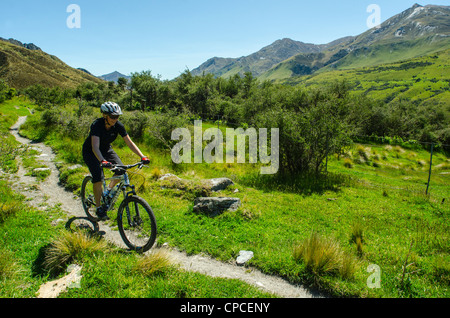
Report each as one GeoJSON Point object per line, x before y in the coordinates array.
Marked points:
{"type": "Point", "coordinates": [123, 184]}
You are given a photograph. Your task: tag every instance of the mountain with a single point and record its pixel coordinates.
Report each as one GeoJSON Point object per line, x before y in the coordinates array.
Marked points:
{"type": "Point", "coordinates": [29, 46]}
{"type": "Point", "coordinates": [22, 65]}
{"type": "Point", "coordinates": [261, 61]}
{"type": "Point", "coordinates": [113, 77]}
{"type": "Point", "coordinates": [417, 31]}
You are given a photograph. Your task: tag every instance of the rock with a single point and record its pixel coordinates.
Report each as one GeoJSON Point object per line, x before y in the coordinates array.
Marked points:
{"type": "Point", "coordinates": [54, 288]}
{"type": "Point", "coordinates": [41, 169]}
{"type": "Point", "coordinates": [219, 184]}
{"type": "Point", "coordinates": [244, 257]}
{"type": "Point", "coordinates": [216, 206]}
{"type": "Point", "coordinates": [77, 166]}
{"type": "Point", "coordinates": [167, 176]}
{"type": "Point", "coordinates": [56, 222]}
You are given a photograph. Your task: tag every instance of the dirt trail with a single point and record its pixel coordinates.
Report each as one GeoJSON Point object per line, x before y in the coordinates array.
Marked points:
{"type": "Point", "coordinates": [48, 193]}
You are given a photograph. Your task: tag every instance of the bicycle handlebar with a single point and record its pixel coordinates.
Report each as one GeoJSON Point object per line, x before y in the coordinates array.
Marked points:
{"type": "Point", "coordinates": [126, 167]}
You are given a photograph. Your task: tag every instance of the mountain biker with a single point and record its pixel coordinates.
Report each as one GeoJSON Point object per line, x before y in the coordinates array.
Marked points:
{"type": "Point", "coordinates": [98, 153]}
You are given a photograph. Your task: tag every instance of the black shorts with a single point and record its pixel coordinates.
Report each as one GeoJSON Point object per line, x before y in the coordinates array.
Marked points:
{"type": "Point", "coordinates": [94, 165]}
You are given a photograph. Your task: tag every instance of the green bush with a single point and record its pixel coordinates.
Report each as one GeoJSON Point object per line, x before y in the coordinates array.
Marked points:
{"type": "Point", "coordinates": [310, 130]}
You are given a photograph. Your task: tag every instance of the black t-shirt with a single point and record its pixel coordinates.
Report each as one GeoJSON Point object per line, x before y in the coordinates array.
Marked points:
{"type": "Point", "coordinates": [98, 129]}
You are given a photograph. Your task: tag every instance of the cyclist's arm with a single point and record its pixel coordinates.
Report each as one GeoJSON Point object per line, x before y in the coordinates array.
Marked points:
{"type": "Point", "coordinates": [96, 148]}
{"type": "Point", "coordinates": [133, 146]}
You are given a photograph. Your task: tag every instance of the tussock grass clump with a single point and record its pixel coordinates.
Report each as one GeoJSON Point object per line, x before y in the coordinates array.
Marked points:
{"type": "Point", "coordinates": [71, 246]}
{"type": "Point", "coordinates": [156, 173]}
{"type": "Point", "coordinates": [7, 264]}
{"type": "Point", "coordinates": [348, 163]}
{"type": "Point", "coordinates": [363, 152]}
{"type": "Point", "coordinates": [8, 209]}
{"type": "Point", "coordinates": [357, 237]}
{"type": "Point", "coordinates": [324, 256]}
{"type": "Point", "coordinates": [154, 263]}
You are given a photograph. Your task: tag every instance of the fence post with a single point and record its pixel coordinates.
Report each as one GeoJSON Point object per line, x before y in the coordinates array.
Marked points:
{"type": "Point", "coordinates": [431, 163]}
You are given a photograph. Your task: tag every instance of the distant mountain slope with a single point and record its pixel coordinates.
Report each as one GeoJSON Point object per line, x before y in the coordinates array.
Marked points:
{"type": "Point", "coordinates": [21, 67]}
{"type": "Point", "coordinates": [114, 76]}
{"type": "Point", "coordinates": [422, 79]}
{"type": "Point", "coordinates": [414, 32]}
{"type": "Point", "coordinates": [261, 61]}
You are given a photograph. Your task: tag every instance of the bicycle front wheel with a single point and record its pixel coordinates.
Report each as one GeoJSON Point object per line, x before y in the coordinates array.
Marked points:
{"type": "Point", "coordinates": [137, 224]}
{"type": "Point", "coordinates": [87, 198]}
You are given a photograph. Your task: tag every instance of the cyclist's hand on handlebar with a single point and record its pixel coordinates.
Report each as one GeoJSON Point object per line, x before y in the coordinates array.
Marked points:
{"type": "Point", "coordinates": [106, 164]}
{"type": "Point", "coordinates": [145, 160]}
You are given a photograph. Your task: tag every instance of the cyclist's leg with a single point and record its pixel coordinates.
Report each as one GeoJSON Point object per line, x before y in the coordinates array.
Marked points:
{"type": "Point", "coordinates": [97, 175]}
{"type": "Point", "coordinates": [112, 157]}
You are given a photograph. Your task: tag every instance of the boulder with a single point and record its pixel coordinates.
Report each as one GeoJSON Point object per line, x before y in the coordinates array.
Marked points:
{"type": "Point", "coordinates": [219, 184]}
{"type": "Point", "coordinates": [169, 176]}
{"type": "Point", "coordinates": [216, 206]}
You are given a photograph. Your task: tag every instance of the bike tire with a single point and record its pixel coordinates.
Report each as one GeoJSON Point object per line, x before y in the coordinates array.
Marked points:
{"type": "Point", "coordinates": [137, 238]}
{"type": "Point", "coordinates": [87, 198]}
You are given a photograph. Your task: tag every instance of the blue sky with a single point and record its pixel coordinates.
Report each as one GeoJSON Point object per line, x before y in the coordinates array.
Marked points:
{"type": "Point", "coordinates": [169, 36]}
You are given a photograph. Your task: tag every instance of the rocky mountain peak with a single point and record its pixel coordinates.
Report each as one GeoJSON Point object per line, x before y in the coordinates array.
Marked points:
{"type": "Point", "coordinates": [29, 46]}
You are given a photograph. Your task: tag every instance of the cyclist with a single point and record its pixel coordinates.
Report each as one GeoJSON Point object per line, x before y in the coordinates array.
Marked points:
{"type": "Point", "coordinates": [98, 153]}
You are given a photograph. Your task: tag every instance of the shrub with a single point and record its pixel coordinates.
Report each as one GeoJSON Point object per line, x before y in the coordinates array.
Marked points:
{"type": "Point", "coordinates": [161, 125]}
{"type": "Point", "coordinates": [311, 128]}
{"type": "Point", "coordinates": [136, 123]}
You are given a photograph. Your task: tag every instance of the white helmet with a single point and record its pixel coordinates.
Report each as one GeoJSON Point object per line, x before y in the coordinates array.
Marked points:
{"type": "Point", "coordinates": [111, 109]}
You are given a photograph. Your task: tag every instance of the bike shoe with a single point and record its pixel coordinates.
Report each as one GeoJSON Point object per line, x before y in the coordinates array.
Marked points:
{"type": "Point", "coordinates": [101, 214]}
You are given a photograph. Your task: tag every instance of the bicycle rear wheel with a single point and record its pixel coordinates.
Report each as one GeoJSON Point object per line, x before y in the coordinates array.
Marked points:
{"type": "Point", "coordinates": [137, 224]}
{"type": "Point", "coordinates": [87, 198]}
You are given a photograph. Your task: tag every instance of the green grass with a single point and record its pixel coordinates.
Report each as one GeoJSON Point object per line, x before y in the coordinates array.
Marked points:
{"type": "Point", "coordinates": [420, 79]}
{"type": "Point", "coordinates": [381, 188]}
{"type": "Point", "coordinates": [33, 252]}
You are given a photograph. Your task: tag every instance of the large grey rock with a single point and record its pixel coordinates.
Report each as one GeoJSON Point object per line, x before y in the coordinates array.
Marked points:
{"type": "Point", "coordinates": [216, 206]}
{"type": "Point", "coordinates": [219, 184]}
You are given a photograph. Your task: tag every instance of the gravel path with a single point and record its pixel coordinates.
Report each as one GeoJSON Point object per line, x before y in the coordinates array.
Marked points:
{"type": "Point", "coordinates": [49, 193]}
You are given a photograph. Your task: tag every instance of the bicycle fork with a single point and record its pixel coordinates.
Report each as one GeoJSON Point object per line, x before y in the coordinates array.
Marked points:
{"type": "Point", "coordinates": [136, 220]}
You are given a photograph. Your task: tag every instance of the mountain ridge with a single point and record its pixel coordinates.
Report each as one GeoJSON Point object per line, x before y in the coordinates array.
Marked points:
{"type": "Point", "coordinates": [414, 32]}
{"type": "Point", "coordinates": [264, 59]}
{"type": "Point", "coordinates": [22, 65]}
{"type": "Point", "coordinates": [114, 76]}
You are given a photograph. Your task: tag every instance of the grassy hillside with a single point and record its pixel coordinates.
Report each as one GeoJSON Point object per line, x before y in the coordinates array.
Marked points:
{"type": "Point", "coordinates": [420, 79]}
{"type": "Point", "coordinates": [378, 54]}
{"type": "Point", "coordinates": [21, 67]}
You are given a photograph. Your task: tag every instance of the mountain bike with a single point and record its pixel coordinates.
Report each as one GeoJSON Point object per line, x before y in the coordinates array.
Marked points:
{"type": "Point", "coordinates": [135, 218]}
